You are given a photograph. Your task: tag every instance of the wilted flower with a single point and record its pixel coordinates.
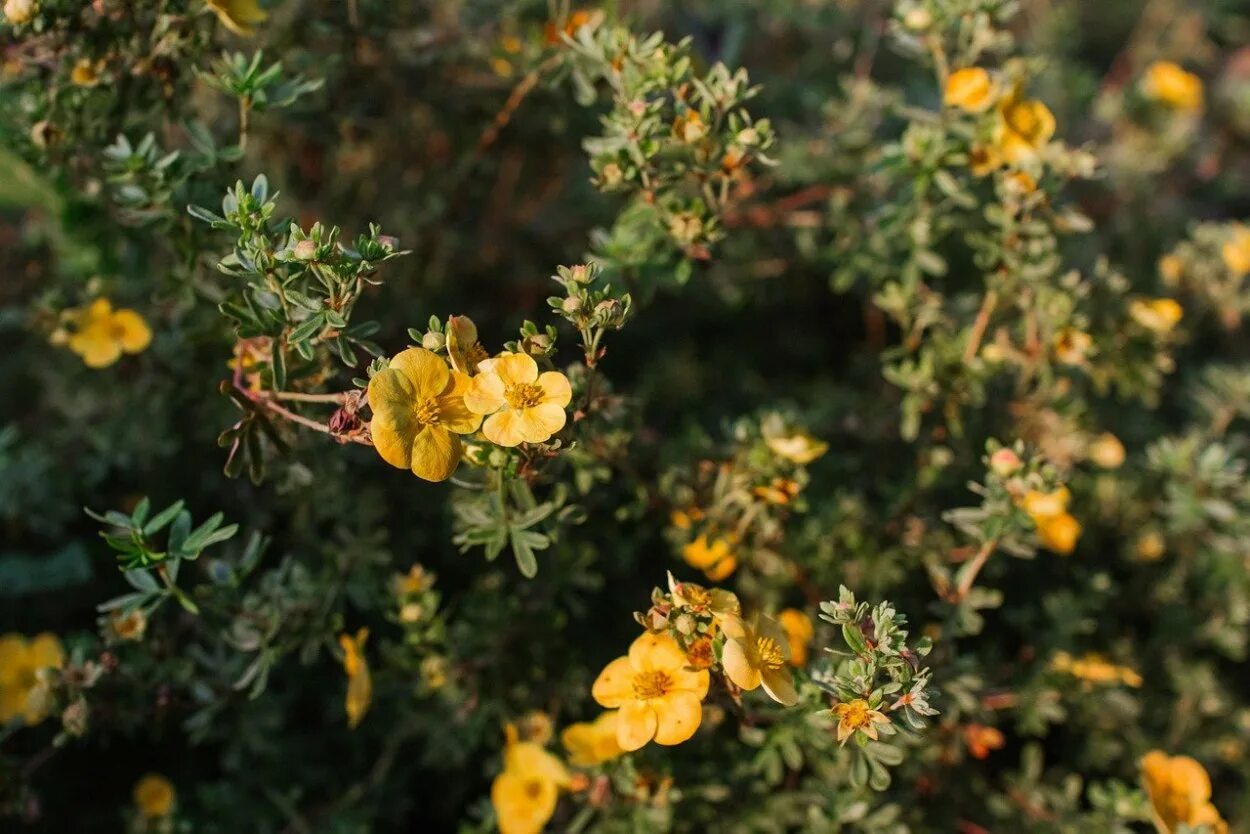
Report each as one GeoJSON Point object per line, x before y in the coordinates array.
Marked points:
{"type": "Point", "coordinates": [657, 695]}
{"type": "Point", "coordinates": [592, 743]}
{"type": "Point", "coordinates": [969, 89]}
{"type": "Point", "coordinates": [523, 405]}
{"type": "Point", "coordinates": [1168, 84]}
{"type": "Point", "coordinates": [359, 681]}
{"type": "Point", "coordinates": [717, 602]}
{"type": "Point", "coordinates": [858, 716]}
{"type": "Point", "coordinates": [757, 654]}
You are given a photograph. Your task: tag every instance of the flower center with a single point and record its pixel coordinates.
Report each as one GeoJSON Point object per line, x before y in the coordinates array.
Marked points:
{"type": "Point", "coordinates": [427, 411]}
{"type": "Point", "coordinates": [856, 714]}
{"type": "Point", "coordinates": [475, 355]}
{"type": "Point", "coordinates": [769, 653]}
{"type": "Point", "coordinates": [523, 395]}
{"type": "Point", "coordinates": [533, 788]}
{"type": "Point", "coordinates": [696, 597]}
{"type": "Point", "coordinates": [653, 684]}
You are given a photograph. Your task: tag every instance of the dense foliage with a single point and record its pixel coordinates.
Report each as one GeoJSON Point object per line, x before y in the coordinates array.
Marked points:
{"type": "Point", "coordinates": [745, 417]}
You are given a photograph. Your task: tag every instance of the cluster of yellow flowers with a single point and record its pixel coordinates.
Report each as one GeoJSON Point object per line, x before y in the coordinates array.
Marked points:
{"type": "Point", "coordinates": [23, 682]}
{"type": "Point", "coordinates": [100, 335]}
{"type": "Point", "coordinates": [1093, 668]}
{"type": "Point", "coordinates": [1020, 128]}
{"type": "Point", "coordinates": [1057, 528]}
{"type": "Point", "coordinates": [1180, 793]}
{"type": "Point", "coordinates": [422, 403]}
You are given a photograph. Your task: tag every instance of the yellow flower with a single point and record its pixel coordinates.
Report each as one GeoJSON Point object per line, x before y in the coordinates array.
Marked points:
{"type": "Point", "coordinates": [239, 16]}
{"type": "Point", "coordinates": [857, 715]}
{"type": "Point", "coordinates": [759, 653]}
{"type": "Point", "coordinates": [23, 692]}
{"type": "Point", "coordinates": [18, 12]}
{"type": "Point", "coordinates": [1159, 315]}
{"type": "Point", "coordinates": [799, 632]}
{"type": "Point", "coordinates": [419, 411]}
{"type": "Point", "coordinates": [800, 448]}
{"type": "Point", "coordinates": [1056, 527]}
{"type": "Point", "coordinates": [1150, 546]}
{"type": "Point", "coordinates": [524, 794]}
{"type": "Point", "coordinates": [1094, 668]}
{"type": "Point", "coordinates": [1236, 250]}
{"type": "Point", "coordinates": [658, 697]}
{"type": "Point", "coordinates": [1180, 792]}
{"type": "Point", "coordinates": [154, 796]}
{"type": "Point", "coordinates": [524, 405]}
{"type": "Point", "coordinates": [983, 160]}
{"type": "Point", "coordinates": [683, 519]}
{"type": "Point", "coordinates": [1024, 128]}
{"type": "Point", "coordinates": [715, 601]}
{"type": "Point", "coordinates": [592, 743]}
{"type": "Point", "coordinates": [86, 73]}
{"type": "Point", "coordinates": [1171, 267]}
{"type": "Point", "coordinates": [969, 89]}
{"type": "Point", "coordinates": [1072, 346]}
{"type": "Point", "coordinates": [536, 726]}
{"type": "Point", "coordinates": [359, 681]}
{"type": "Point", "coordinates": [463, 349]}
{"type": "Point", "coordinates": [1168, 84]}
{"type": "Point", "coordinates": [416, 580]}
{"type": "Point", "coordinates": [777, 491]}
{"type": "Point", "coordinates": [101, 334]}
{"type": "Point", "coordinates": [715, 559]}
{"type": "Point", "coordinates": [1107, 451]}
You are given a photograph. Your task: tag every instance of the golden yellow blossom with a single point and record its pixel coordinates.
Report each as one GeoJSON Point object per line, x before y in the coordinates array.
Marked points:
{"type": "Point", "coordinates": [777, 491]}
{"type": "Point", "coordinates": [1107, 451]}
{"type": "Point", "coordinates": [1180, 792]}
{"type": "Point", "coordinates": [1159, 315]}
{"type": "Point", "coordinates": [419, 411]}
{"type": "Point", "coordinates": [523, 405]}
{"type": "Point", "coordinates": [86, 73]}
{"type": "Point", "coordinates": [1166, 83]}
{"type": "Point", "coordinates": [239, 16]}
{"type": "Point", "coordinates": [1024, 128]}
{"type": "Point", "coordinates": [758, 654]}
{"type": "Point", "coordinates": [525, 792]}
{"type": "Point", "coordinates": [855, 716]}
{"type": "Point", "coordinates": [657, 695]}
{"type": "Point", "coordinates": [1072, 346]}
{"type": "Point", "coordinates": [715, 601]}
{"type": "Point", "coordinates": [969, 89]}
{"type": "Point", "coordinates": [1150, 546]}
{"type": "Point", "coordinates": [23, 691]}
{"type": "Point", "coordinates": [1236, 250]}
{"type": "Point", "coordinates": [714, 558]}
{"type": "Point", "coordinates": [799, 632]}
{"type": "Point", "coordinates": [101, 334]}
{"type": "Point", "coordinates": [592, 743]}
{"type": "Point", "coordinates": [800, 448]}
{"type": "Point", "coordinates": [18, 12]}
{"type": "Point", "coordinates": [983, 160]}
{"type": "Point", "coordinates": [1056, 527]}
{"type": "Point", "coordinates": [154, 796]}
{"type": "Point", "coordinates": [1094, 668]}
{"type": "Point", "coordinates": [359, 681]}
{"type": "Point", "coordinates": [416, 580]}
{"type": "Point", "coordinates": [463, 349]}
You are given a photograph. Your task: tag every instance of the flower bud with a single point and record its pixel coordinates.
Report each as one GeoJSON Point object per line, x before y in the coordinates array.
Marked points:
{"type": "Point", "coordinates": [18, 12]}
{"type": "Point", "coordinates": [74, 718]}
{"type": "Point", "coordinates": [918, 20]}
{"type": "Point", "coordinates": [1004, 463]}
{"type": "Point", "coordinates": [305, 250]}
{"type": "Point", "coordinates": [433, 341]}
{"type": "Point", "coordinates": [685, 624]}
{"type": "Point", "coordinates": [571, 304]}
{"type": "Point", "coordinates": [611, 175]}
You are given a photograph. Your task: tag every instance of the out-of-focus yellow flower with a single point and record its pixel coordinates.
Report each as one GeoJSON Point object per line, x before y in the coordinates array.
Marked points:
{"type": "Point", "coordinates": [683, 519]}
{"type": "Point", "coordinates": [969, 89]}
{"type": "Point", "coordinates": [525, 793]}
{"type": "Point", "coordinates": [592, 743]}
{"type": "Point", "coordinates": [86, 73]}
{"type": "Point", "coordinates": [154, 796]}
{"type": "Point", "coordinates": [981, 740]}
{"type": "Point", "coordinates": [658, 697]}
{"type": "Point", "coordinates": [714, 558]}
{"type": "Point", "coordinates": [799, 632]}
{"type": "Point", "coordinates": [419, 411]}
{"type": "Point", "coordinates": [18, 12]}
{"type": "Point", "coordinates": [23, 690]}
{"type": "Point", "coordinates": [1150, 546]}
{"type": "Point", "coordinates": [1072, 346]}
{"type": "Point", "coordinates": [1171, 267]}
{"type": "Point", "coordinates": [777, 491]}
{"type": "Point", "coordinates": [689, 127]}
{"type": "Point", "coordinates": [1024, 128]}
{"type": "Point", "coordinates": [1094, 668]}
{"type": "Point", "coordinates": [983, 160]}
{"type": "Point", "coordinates": [857, 715]}
{"type": "Point", "coordinates": [758, 654]}
{"type": "Point", "coordinates": [1159, 315]}
{"type": "Point", "coordinates": [1180, 792]}
{"type": "Point", "coordinates": [434, 671]}
{"type": "Point", "coordinates": [714, 601]}
{"type": "Point", "coordinates": [1166, 83]}
{"type": "Point", "coordinates": [1107, 451]}
{"type": "Point", "coordinates": [416, 580]}
{"type": "Point", "coordinates": [239, 16]}
{"type": "Point", "coordinates": [130, 626]}
{"type": "Point", "coordinates": [576, 20]}
{"type": "Point", "coordinates": [536, 726]}
{"type": "Point", "coordinates": [1056, 527]}
{"type": "Point", "coordinates": [1236, 250]}
{"type": "Point", "coordinates": [359, 681]}
{"type": "Point", "coordinates": [800, 447]}
{"type": "Point", "coordinates": [463, 349]}
{"type": "Point", "coordinates": [523, 405]}
{"type": "Point", "coordinates": [101, 334]}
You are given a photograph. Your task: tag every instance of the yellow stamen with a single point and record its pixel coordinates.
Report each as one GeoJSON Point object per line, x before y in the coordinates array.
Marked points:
{"type": "Point", "coordinates": [524, 395]}
{"type": "Point", "coordinates": [653, 684]}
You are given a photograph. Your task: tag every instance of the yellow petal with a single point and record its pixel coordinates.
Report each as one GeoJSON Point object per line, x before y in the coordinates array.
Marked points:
{"type": "Point", "coordinates": [12, 657]}
{"type": "Point", "coordinates": [359, 696]}
{"type": "Point", "coordinates": [635, 724]}
{"type": "Point", "coordinates": [615, 684]}
{"type": "Point", "coordinates": [722, 569]}
{"type": "Point", "coordinates": [504, 428]}
{"type": "Point", "coordinates": [780, 686]}
{"type": "Point", "coordinates": [539, 423]}
{"type": "Point", "coordinates": [485, 394]}
{"type": "Point", "coordinates": [424, 369]}
{"type": "Point", "coordinates": [515, 368]}
{"type": "Point", "coordinates": [556, 389]}
{"type": "Point", "coordinates": [12, 703]}
{"type": "Point", "coordinates": [534, 761]}
{"type": "Point", "coordinates": [45, 651]}
{"type": "Point", "coordinates": [436, 453]}
{"type": "Point", "coordinates": [522, 803]}
{"type": "Point", "coordinates": [656, 652]}
{"type": "Point", "coordinates": [453, 414]}
{"type": "Point", "coordinates": [738, 667]}
{"type": "Point", "coordinates": [677, 717]}
{"type": "Point", "coordinates": [96, 348]}
{"type": "Point", "coordinates": [132, 331]}
{"type": "Point", "coordinates": [391, 389]}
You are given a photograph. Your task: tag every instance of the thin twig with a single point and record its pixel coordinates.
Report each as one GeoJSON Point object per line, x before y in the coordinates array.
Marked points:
{"type": "Point", "coordinates": [978, 326]}
{"type": "Point", "coordinates": [969, 572]}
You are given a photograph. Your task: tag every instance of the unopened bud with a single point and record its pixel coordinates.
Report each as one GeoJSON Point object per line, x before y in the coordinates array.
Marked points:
{"type": "Point", "coordinates": [685, 624]}
{"type": "Point", "coordinates": [305, 250]}
{"type": "Point", "coordinates": [1004, 463]}
{"type": "Point", "coordinates": [433, 341]}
